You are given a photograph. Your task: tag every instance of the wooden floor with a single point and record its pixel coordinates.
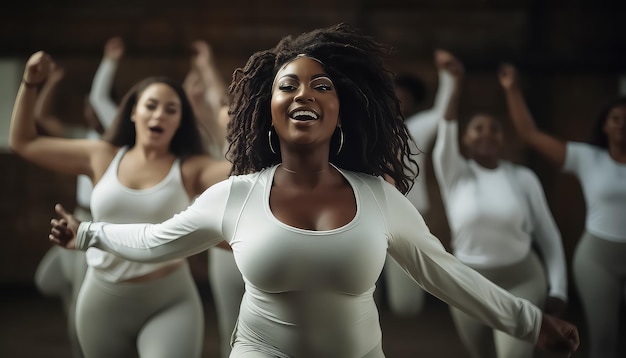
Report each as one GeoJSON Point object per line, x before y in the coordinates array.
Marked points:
{"type": "Point", "coordinates": [34, 326]}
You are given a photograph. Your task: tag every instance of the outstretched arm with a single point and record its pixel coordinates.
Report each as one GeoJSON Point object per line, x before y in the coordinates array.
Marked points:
{"type": "Point", "coordinates": [552, 148]}
{"type": "Point", "coordinates": [546, 235]}
{"type": "Point", "coordinates": [423, 257]}
{"type": "Point", "coordinates": [194, 230]}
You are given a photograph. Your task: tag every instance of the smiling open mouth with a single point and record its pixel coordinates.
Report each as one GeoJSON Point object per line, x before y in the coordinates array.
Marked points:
{"type": "Point", "coordinates": [156, 129]}
{"type": "Point", "coordinates": [304, 115]}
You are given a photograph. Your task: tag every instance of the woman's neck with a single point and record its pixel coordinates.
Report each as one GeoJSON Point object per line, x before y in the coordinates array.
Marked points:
{"type": "Point", "coordinates": [150, 152]}
{"type": "Point", "coordinates": [617, 152]}
{"type": "Point", "coordinates": [487, 162]}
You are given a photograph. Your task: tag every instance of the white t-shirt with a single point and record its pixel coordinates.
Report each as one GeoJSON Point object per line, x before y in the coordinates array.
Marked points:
{"type": "Point", "coordinates": [603, 182]}
{"type": "Point", "coordinates": [308, 290]}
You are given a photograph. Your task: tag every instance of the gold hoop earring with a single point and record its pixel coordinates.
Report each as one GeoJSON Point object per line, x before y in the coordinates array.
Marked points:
{"type": "Point", "coordinates": [269, 139]}
{"type": "Point", "coordinates": [340, 140]}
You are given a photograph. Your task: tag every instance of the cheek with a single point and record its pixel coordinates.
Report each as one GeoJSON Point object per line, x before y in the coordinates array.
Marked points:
{"type": "Point", "coordinates": [278, 103]}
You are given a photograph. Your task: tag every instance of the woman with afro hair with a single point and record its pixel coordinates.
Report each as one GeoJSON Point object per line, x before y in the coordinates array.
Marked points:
{"type": "Point", "coordinates": [315, 129]}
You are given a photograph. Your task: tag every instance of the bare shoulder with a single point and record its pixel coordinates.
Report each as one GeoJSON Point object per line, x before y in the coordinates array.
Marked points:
{"type": "Point", "coordinates": [195, 164]}
{"type": "Point", "coordinates": [202, 171]}
{"type": "Point", "coordinates": [102, 154]}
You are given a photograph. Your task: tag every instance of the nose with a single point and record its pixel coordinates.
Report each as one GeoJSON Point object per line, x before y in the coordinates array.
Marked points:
{"type": "Point", "coordinates": [159, 112]}
{"type": "Point", "coordinates": [304, 94]}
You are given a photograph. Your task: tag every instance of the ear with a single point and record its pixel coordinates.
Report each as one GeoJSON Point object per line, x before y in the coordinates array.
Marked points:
{"type": "Point", "coordinates": [132, 113]}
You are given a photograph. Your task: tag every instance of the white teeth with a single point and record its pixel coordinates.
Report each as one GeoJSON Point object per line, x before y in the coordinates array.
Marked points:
{"type": "Point", "coordinates": [309, 114]}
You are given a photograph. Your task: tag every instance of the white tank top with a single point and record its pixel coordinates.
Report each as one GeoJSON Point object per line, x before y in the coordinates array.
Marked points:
{"type": "Point", "coordinates": [113, 202]}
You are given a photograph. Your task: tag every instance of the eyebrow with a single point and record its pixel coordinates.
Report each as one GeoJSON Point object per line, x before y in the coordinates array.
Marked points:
{"type": "Point", "coordinates": [169, 103]}
{"type": "Point", "coordinates": [314, 77]}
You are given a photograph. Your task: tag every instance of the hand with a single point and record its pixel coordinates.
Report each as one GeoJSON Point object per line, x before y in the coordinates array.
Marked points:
{"type": "Point", "coordinates": [202, 54]}
{"type": "Point", "coordinates": [63, 230]}
{"type": "Point", "coordinates": [507, 74]}
{"type": "Point", "coordinates": [555, 306]}
{"type": "Point", "coordinates": [56, 72]}
{"type": "Point", "coordinates": [114, 48]}
{"type": "Point", "coordinates": [557, 337]}
{"type": "Point", "coordinates": [37, 68]}
{"type": "Point", "coordinates": [446, 61]}
{"type": "Point", "coordinates": [194, 87]}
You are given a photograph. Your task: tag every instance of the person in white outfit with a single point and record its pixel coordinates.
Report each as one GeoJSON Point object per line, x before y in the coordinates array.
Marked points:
{"type": "Point", "coordinates": [404, 297]}
{"type": "Point", "coordinates": [61, 273]}
{"type": "Point", "coordinates": [497, 214]}
{"type": "Point", "coordinates": [149, 167]}
{"type": "Point", "coordinates": [315, 128]}
{"type": "Point", "coordinates": [599, 263]}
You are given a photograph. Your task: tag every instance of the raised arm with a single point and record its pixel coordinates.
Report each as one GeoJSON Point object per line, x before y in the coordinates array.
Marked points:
{"type": "Point", "coordinates": [204, 62]}
{"type": "Point", "coordinates": [100, 94]}
{"type": "Point", "coordinates": [448, 163]}
{"type": "Point", "coordinates": [551, 147]}
{"type": "Point", "coordinates": [44, 115]}
{"type": "Point", "coordinates": [69, 156]}
{"type": "Point", "coordinates": [423, 125]}
{"type": "Point", "coordinates": [207, 91]}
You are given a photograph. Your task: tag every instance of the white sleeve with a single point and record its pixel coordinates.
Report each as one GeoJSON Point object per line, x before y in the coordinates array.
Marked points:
{"type": "Point", "coordinates": [194, 230]}
{"type": "Point", "coordinates": [577, 157]}
{"type": "Point", "coordinates": [423, 257]}
{"type": "Point", "coordinates": [423, 125]}
{"type": "Point", "coordinates": [448, 163]}
{"type": "Point", "coordinates": [100, 94]}
{"type": "Point", "coordinates": [546, 235]}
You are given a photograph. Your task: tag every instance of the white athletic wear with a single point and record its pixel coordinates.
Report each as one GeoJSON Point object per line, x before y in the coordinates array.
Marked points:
{"type": "Point", "coordinates": [111, 201]}
{"type": "Point", "coordinates": [423, 127]}
{"type": "Point", "coordinates": [496, 214]}
{"type": "Point", "coordinates": [307, 290]}
{"type": "Point", "coordinates": [603, 182]}
{"type": "Point", "coordinates": [100, 93]}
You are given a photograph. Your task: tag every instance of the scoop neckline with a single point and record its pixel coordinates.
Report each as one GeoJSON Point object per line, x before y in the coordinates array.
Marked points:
{"type": "Point", "coordinates": [270, 214]}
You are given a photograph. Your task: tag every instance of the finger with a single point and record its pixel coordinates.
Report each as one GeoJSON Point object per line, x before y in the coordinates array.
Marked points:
{"type": "Point", "coordinates": [57, 232]}
{"type": "Point", "coordinates": [58, 223]}
{"type": "Point", "coordinates": [54, 239]}
{"type": "Point", "coordinates": [61, 210]}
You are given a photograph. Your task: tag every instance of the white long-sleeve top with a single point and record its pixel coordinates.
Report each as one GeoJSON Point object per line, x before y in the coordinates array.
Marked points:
{"type": "Point", "coordinates": [423, 127]}
{"type": "Point", "coordinates": [496, 214]}
{"type": "Point", "coordinates": [100, 94]}
{"type": "Point", "coordinates": [307, 290]}
{"type": "Point", "coordinates": [603, 181]}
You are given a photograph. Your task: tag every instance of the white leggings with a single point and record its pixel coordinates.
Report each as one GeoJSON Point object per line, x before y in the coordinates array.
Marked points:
{"type": "Point", "coordinates": [525, 279]}
{"type": "Point", "coordinates": [227, 289]}
{"type": "Point", "coordinates": [600, 275]}
{"type": "Point", "coordinates": [162, 318]}
{"type": "Point", "coordinates": [60, 273]}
